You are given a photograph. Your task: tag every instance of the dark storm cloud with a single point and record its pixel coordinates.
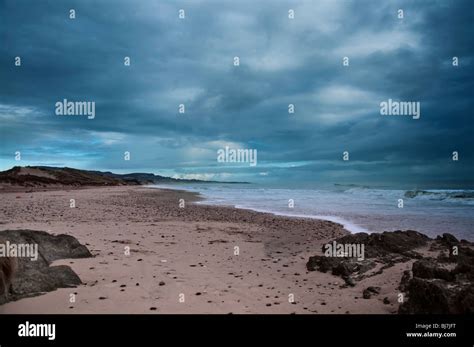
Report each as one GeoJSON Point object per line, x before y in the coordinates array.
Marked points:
{"type": "Point", "coordinates": [282, 61]}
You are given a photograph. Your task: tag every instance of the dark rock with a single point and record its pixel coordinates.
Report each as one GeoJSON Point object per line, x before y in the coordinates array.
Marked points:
{"type": "Point", "coordinates": [435, 287]}
{"type": "Point", "coordinates": [8, 266]}
{"type": "Point", "coordinates": [447, 239]}
{"type": "Point", "coordinates": [465, 264]}
{"type": "Point", "coordinates": [34, 277]}
{"type": "Point", "coordinates": [388, 248]}
{"type": "Point", "coordinates": [364, 266]}
{"type": "Point", "coordinates": [382, 244]}
{"type": "Point", "coordinates": [370, 291]}
{"type": "Point", "coordinates": [322, 263]}
{"type": "Point", "coordinates": [426, 297]}
{"type": "Point", "coordinates": [405, 280]}
{"type": "Point", "coordinates": [464, 301]}
{"type": "Point", "coordinates": [349, 281]}
{"type": "Point", "coordinates": [427, 268]}
{"type": "Point", "coordinates": [439, 291]}
{"type": "Point", "coordinates": [344, 268]}
{"type": "Point", "coordinates": [386, 301]}
{"type": "Point", "coordinates": [50, 247]}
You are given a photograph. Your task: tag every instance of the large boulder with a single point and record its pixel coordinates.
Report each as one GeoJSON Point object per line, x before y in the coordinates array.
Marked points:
{"type": "Point", "coordinates": [36, 276]}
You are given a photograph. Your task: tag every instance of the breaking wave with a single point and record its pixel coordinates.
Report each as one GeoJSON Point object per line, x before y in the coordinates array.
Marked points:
{"type": "Point", "coordinates": [461, 196]}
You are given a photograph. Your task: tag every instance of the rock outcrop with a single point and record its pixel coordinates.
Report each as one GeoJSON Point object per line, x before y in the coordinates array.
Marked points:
{"type": "Point", "coordinates": [35, 276]}
{"type": "Point", "coordinates": [442, 285]}
{"type": "Point", "coordinates": [385, 249]}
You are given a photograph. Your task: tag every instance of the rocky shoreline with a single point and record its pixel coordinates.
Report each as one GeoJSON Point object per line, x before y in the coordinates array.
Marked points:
{"type": "Point", "coordinates": [438, 284]}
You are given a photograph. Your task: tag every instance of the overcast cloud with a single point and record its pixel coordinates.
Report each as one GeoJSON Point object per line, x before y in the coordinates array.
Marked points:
{"type": "Point", "coordinates": [282, 61]}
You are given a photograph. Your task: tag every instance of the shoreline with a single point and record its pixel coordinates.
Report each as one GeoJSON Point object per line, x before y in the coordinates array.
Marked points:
{"type": "Point", "coordinates": [200, 199]}
{"type": "Point", "coordinates": [190, 251]}
{"type": "Point", "coordinates": [353, 211]}
{"type": "Point", "coordinates": [334, 219]}
{"type": "Point", "coordinates": [346, 224]}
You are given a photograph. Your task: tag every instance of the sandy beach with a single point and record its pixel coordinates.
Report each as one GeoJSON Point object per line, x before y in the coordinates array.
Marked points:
{"type": "Point", "coordinates": [196, 259]}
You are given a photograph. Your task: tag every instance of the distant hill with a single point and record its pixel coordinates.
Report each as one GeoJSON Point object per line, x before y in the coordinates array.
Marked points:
{"type": "Point", "coordinates": [47, 176]}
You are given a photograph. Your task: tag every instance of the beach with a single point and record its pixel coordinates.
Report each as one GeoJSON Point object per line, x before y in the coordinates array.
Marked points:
{"type": "Point", "coordinates": [153, 256]}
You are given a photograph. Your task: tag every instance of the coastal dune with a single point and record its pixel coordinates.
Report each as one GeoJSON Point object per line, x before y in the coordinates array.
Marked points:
{"type": "Point", "coordinates": [152, 256]}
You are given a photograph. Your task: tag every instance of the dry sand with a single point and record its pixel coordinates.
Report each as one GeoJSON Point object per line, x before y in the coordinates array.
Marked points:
{"type": "Point", "coordinates": [190, 251]}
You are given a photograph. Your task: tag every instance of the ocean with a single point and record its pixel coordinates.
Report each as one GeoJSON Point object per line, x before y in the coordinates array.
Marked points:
{"type": "Point", "coordinates": [359, 209]}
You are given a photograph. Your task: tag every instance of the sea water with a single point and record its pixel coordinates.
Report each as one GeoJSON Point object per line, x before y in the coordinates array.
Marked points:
{"type": "Point", "coordinates": [358, 209]}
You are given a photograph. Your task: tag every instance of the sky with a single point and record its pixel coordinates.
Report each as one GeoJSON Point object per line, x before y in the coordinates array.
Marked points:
{"type": "Point", "coordinates": [283, 61]}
